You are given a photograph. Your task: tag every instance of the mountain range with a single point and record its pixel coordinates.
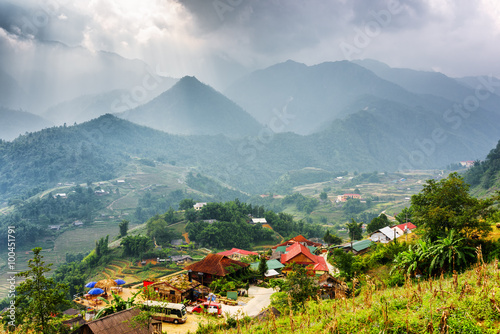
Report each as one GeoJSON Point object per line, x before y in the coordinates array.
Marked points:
{"type": "Point", "coordinates": [334, 116]}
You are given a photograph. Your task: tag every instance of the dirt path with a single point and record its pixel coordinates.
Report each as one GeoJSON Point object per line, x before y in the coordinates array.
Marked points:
{"type": "Point", "coordinates": [331, 269]}
{"type": "Point", "coordinates": [260, 299]}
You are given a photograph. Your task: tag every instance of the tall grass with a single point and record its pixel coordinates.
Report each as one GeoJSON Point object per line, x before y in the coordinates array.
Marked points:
{"type": "Point", "coordinates": [461, 303]}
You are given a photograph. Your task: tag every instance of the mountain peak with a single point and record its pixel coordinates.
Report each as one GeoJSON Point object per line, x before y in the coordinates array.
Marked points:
{"type": "Point", "coordinates": [191, 107]}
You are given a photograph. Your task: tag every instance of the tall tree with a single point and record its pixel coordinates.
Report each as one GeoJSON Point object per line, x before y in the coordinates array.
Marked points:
{"type": "Point", "coordinates": [263, 266]}
{"type": "Point", "coordinates": [123, 227]}
{"type": "Point", "coordinates": [331, 238]}
{"type": "Point", "coordinates": [38, 297]}
{"type": "Point", "coordinates": [378, 223]}
{"type": "Point", "coordinates": [446, 205]}
{"type": "Point", "coordinates": [355, 230]}
{"type": "Point", "coordinates": [186, 203]}
{"type": "Point", "coordinates": [405, 215]}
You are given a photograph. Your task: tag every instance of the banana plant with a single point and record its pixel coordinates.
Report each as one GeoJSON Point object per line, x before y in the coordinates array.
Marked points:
{"type": "Point", "coordinates": [117, 304]}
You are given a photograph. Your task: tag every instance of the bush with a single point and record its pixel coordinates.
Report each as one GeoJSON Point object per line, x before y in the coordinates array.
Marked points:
{"type": "Point", "coordinates": [395, 279]}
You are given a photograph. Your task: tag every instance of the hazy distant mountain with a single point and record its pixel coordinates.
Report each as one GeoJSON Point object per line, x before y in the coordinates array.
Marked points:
{"type": "Point", "coordinates": [310, 95]}
{"type": "Point", "coordinates": [386, 135]}
{"type": "Point", "coordinates": [51, 72]}
{"type": "Point", "coordinates": [87, 107]}
{"type": "Point", "coordinates": [473, 82]}
{"type": "Point", "coordinates": [15, 122]}
{"type": "Point", "coordinates": [11, 94]}
{"type": "Point", "coordinates": [435, 83]}
{"type": "Point", "coordinates": [193, 108]}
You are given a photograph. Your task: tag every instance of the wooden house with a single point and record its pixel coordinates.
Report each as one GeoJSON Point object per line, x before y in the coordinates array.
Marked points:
{"type": "Point", "coordinates": [212, 267]}
{"type": "Point", "coordinates": [331, 288]}
{"type": "Point", "coordinates": [300, 254]}
{"type": "Point", "coordinates": [175, 289]}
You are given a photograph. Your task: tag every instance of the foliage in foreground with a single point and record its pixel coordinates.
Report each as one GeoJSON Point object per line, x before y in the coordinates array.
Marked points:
{"type": "Point", "coordinates": [466, 303]}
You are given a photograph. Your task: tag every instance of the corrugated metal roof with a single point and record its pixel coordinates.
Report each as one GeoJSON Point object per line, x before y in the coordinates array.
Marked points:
{"type": "Point", "coordinates": [281, 249]}
{"type": "Point", "coordinates": [271, 264]}
{"type": "Point", "coordinates": [388, 232]}
{"type": "Point", "coordinates": [361, 245]}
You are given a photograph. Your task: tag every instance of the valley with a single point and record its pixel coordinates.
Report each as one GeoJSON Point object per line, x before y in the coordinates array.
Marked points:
{"type": "Point", "coordinates": [122, 197]}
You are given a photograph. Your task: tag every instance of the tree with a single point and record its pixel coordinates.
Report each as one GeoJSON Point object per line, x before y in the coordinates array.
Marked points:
{"type": "Point", "coordinates": [263, 266]}
{"type": "Point", "coordinates": [331, 239]}
{"type": "Point", "coordinates": [136, 245]}
{"type": "Point", "coordinates": [123, 227]}
{"type": "Point", "coordinates": [323, 196]}
{"type": "Point", "coordinates": [347, 264]}
{"type": "Point", "coordinates": [298, 287]}
{"type": "Point", "coordinates": [405, 215]}
{"type": "Point", "coordinates": [446, 205]}
{"type": "Point", "coordinates": [191, 215]}
{"type": "Point", "coordinates": [186, 203]}
{"type": "Point", "coordinates": [378, 223]}
{"type": "Point", "coordinates": [355, 230]}
{"type": "Point", "coordinates": [38, 297]}
{"type": "Point", "coordinates": [450, 253]}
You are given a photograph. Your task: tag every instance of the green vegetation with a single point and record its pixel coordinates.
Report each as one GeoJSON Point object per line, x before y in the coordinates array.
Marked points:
{"type": "Point", "coordinates": [295, 290]}
{"type": "Point", "coordinates": [33, 217]}
{"type": "Point", "coordinates": [485, 173]}
{"type": "Point", "coordinates": [37, 297]}
{"type": "Point", "coordinates": [446, 205]}
{"type": "Point", "coordinates": [465, 303]}
{"type": "Point", "coordinates": [378, 223]}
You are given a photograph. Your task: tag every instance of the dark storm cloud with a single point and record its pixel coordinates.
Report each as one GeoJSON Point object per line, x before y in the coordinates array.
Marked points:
{"type": "Point", "coordinates": [404, 14]}
{"type": "Point", "coordinates": [268, 26]}
{"type": "Point", "coordinates": [42, 20]}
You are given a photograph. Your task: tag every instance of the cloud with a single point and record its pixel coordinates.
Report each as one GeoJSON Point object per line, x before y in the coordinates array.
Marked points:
{"type": "Point", "coordinates": [196, 37]}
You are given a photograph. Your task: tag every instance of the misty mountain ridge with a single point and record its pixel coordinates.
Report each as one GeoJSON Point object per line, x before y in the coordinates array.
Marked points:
{"type": "Point", "coordinates": [437, 84]}
{"type": "Point", "coordinates": [18, 122]}
{"type": "Point", "coordinates": [62, 73]}
{"type": "Point", "coordinates": [87, 107]}
{"type": "Point", "coordinates": [386, 137]}
{"type": "Point", "coordinates": [193, 108]}
{"type": "Point", "coordinates": [319, 93]}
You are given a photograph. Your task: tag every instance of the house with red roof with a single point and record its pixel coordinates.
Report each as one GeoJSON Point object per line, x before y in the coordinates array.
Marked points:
{"type": "Point", "coordinates": [345, 197]}
{"type": "Point", "coordinates": [212, 267]}
{"type": "Point", "coordinates": [403, 229]}
{"type": "Point", "coordinates": [300, 254]}
{"type": "Point", "coordinates": [298, 239]}
{"type": "Point", "coordinates": [236, 253]}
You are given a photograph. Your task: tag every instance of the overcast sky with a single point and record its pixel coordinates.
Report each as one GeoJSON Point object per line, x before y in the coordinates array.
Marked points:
{"type": "Point", "coordinates": [190, 37]}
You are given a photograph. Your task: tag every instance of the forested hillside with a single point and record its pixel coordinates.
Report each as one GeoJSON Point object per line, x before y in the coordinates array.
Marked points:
{"type": "Point", "coordinates": [486, 173]}
{"type": "Point", "coordinates": [372, 139]}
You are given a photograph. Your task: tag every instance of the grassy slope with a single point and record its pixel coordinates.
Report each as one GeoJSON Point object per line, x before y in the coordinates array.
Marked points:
{"type": "Point", "coordinates": [468, 303]}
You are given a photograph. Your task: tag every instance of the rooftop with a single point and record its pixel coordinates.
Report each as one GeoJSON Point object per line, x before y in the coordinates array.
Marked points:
{"type": "Point", "coordinates": [216, 264]}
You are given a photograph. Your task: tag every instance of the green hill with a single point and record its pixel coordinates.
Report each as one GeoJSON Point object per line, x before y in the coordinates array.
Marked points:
{"type": "Point", "coordinates": [484, 176]}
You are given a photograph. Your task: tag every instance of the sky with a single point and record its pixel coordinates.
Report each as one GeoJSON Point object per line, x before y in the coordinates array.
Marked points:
{"type": "Point", "coordinates": [221, 39]}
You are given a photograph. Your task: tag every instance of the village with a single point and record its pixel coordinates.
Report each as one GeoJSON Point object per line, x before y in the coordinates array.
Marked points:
{"type": "Point", "coordinates": [229, 284]}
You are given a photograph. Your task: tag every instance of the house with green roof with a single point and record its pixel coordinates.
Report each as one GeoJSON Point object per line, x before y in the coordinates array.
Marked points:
{"type": "Point", "coordinates": [357, 247]}
{"type": "Point", "coordinates": [271, 265]}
